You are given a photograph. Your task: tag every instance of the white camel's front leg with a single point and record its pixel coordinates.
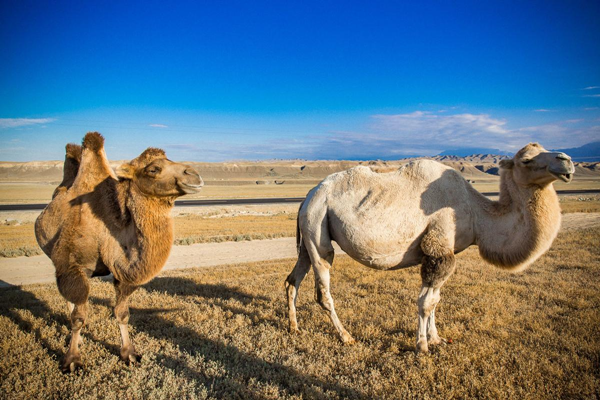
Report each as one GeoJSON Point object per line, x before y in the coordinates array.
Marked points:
{"type": "Point", "coordinates": [428, 299]}
{"type": "Point", "coordinates": [432, 334]}
{"type": "Point", "coordinates": [434, 273]}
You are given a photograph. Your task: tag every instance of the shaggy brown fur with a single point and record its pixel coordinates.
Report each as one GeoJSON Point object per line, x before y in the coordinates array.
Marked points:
{"type": "Point", "coordinates": [98, 224]}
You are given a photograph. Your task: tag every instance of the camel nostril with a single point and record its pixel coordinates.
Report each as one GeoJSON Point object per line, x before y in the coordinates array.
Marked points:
{"type": "Point", "coordinates": [191, 171]}
{"type": "Point", "coordinates": [563, 156]}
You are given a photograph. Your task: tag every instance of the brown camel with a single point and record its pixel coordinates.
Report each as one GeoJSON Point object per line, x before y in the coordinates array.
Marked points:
{"type": "Point", "coordinates": [100, 223]}
{"type": "Point", "coordinates": [425, 213]}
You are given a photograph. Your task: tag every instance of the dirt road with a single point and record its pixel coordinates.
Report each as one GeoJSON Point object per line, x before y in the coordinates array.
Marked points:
{"type": "Point", "coordinates": [39, 269]}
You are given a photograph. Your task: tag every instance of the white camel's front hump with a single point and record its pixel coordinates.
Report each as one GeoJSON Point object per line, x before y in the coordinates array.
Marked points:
{"type": "Point", "coordinates": [380, 219]}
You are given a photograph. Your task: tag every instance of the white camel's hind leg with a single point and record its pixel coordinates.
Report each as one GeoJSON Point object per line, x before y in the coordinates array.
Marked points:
{"type": "Point", "coordinates": [292, 284]}
{"type": "Point", "coordinates": [322, 260]}
{"type": "Point", "coordinates": [313, 231]}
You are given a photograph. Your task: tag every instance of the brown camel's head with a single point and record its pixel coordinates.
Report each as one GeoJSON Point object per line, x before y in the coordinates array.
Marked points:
{"type": "Point", "coordinates": [534, 165]}
{"type": "Point", "coordinates": [155, 175]}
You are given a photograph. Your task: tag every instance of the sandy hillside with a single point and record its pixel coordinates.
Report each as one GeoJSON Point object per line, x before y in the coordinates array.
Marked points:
{"type": "Point", "coordinates": [279, 171]}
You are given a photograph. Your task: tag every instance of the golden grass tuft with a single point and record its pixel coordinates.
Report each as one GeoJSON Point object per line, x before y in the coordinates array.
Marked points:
{"type": "Point", "coordinates": [222, 333]}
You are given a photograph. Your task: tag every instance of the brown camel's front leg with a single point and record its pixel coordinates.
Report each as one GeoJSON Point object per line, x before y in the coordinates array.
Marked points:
{"type": "Point", "coordinates": [72, 359]}
{"type": "Point", "coordinates": [123, 291]}
{"type": "Point", "coordinates": [73, 285]}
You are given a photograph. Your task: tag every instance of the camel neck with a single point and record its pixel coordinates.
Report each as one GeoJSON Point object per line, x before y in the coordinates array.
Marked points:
{"type": "Point", "coordinates": [515, 230]}
{"type": "Point", "coordinates": [153, 225]}
{"type": "Point", "coordinates": [149, 213]}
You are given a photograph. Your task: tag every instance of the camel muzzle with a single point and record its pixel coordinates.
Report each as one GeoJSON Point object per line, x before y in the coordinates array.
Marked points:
{"type": "Point", "coordinates": [564, 174]}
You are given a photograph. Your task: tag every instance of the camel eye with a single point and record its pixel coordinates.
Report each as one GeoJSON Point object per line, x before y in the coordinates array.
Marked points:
{"type": "Point", "coordinates": [153, 170]}
{"type": "Point", "coordinates": [526, 161]}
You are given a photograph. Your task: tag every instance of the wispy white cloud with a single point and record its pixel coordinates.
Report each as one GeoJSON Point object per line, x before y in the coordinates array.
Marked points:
{"type": "Point", "coordinates": [591, 87]}
{"type": "Point", "coordinates": [562, 134]}
{"type": "Point", "coordinates": [591, 95]}
{"type": "Point", "coordinates": [444, 131]}
{"type": "Point", "coordinates": [395, 136]}
{"type": "Point", "coordinates": [591, 108]}
{"type": "Point", "coordinates": [427, 133]}
{"type": "Point", "coordinates": [158, 126]}
{"type": "Point", "coordinates": [543, 110]}
{"type": "Point", "coordinates": [18, 122]}
{"type": "Point", "coordinates": [281, 148]}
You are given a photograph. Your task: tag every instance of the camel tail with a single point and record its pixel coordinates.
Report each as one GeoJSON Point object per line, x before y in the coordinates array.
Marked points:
{"type": "Point", "coordinates": [298, 232]}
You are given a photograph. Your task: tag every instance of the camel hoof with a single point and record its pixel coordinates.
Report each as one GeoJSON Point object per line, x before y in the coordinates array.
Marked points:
{"type": "Point", "coordinates": [129, 356]}
{"type": "Point", "coordinates": [294, 330]}
{"type": "Point", "coordinates": [348, 340]}
{"type": "Point", "coordinates": [71, 364]}
{"type": "Point", "coordinates": [436, 341]}
{"type": "Point", "coordinates": [422, 347]}
{"type": "Point", "coordinates": [134, 359]}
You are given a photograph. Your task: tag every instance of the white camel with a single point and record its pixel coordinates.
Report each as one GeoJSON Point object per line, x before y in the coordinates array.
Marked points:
{"type": "Point", "coordinates": [425, 213]}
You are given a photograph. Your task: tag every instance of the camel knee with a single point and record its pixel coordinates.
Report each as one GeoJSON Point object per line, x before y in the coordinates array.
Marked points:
{"type": "Point", "coordinates": [436, 270]}
{"type": "Point", "coordinates": [122, 314]}
{"type": "Point", "coordinates": [428, 300]}
{"type": "Point", "coordinates": [78, 316]}
{"type": "Point", "coordinates": [73, 286]}
{"type": "Point", "coordinates": [290, 281]}
{"type": "Point", "coordinates": [323, 298]}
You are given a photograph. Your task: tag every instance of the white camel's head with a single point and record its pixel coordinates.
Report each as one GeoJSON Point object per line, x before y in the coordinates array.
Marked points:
{"type": "Point", "coordinates": [534, 165]}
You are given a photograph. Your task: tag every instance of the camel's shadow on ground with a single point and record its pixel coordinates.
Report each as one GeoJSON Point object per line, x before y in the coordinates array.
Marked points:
{"type": "Point", "coordinates": [153, 323]}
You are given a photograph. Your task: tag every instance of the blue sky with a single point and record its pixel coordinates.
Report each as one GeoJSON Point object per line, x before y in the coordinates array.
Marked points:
{"type": "Point", "coordinates": [214, 81]}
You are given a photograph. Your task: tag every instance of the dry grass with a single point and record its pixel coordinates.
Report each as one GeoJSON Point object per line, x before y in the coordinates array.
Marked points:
{"type": "Point", "coordinates": [221, 333]}
{"type": "Point", "coordinates": [194, 228]}
{"type": "Point", "coordinates": [26, 193]}
{"type": "Point", "coordinates": [17, 240]}
{"type": "Point", "coordinates": [583, 203]}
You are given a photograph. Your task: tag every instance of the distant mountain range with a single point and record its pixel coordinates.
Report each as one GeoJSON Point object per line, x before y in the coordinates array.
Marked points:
{"type": "Point", "coordinates": [469, 151]}
{"type": "Point", "coordinates": [587, 153]}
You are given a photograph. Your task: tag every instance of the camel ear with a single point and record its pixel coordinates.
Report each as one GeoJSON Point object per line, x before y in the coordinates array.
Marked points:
{"type": "Point", "coordinates": [125, 171]}
{"type": "Point", "coordinates": [507, 164]}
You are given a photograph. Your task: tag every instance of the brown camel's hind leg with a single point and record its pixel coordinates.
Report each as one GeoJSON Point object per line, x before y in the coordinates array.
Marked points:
{"type": "Point", "coordinates": [292, 283]}
{"type": "Point", "coordinates": [73, 285]}
{"type": "Point", "coordinates": [123, 291]}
